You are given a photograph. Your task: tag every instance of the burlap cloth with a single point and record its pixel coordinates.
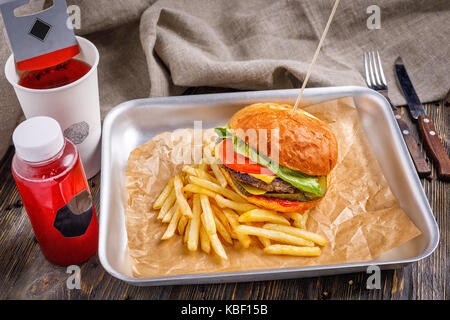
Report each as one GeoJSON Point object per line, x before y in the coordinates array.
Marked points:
{"type": "Point", "coordinates": [150, 49]}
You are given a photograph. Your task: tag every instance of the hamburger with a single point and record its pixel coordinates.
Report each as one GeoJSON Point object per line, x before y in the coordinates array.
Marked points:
{"type": "Point", "coordinates": [276, 160]}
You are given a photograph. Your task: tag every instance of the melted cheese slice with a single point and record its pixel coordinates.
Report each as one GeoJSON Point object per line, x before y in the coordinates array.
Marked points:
{"type": "Point", "coordinates": [263, 177]}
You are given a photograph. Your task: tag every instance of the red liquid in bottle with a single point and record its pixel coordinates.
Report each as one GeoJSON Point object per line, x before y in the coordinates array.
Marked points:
{"type": "Point", "coordinates": [46, 189]}
{"type": "Point", "coordinates": [56, 76]}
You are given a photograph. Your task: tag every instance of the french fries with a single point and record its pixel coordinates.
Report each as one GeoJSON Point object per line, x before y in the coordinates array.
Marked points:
{"type": "Point", "coordinates": [238, 206]}
{"type": "Point", "coordinates": [193, 188]}
{"type": "Point", "coordinates": [223, 231]}
{"type": "Point", "coordinates": [314, 237]}
{"type": "Point", "coordinates": [257, 215]}
{"type": "Point", "coordinates": [194, 230]}
{"type": "Point", "coordinates": [207, 215]}
{"type": "Point", "coordinates": [214, 167]}
{"type": "Point", "coordinates": [181, 200]}
{"type": "Point", "coordinates": [182, 224]}
{"type": "Point", "coordinates": [172, 226]}
{"type": "Point", "coordinates": [219, 214]}
{"type": "Point", "coordinates": [168, 216]}
{"type": "Point", "coordinates": [264, 241]}
{"type": "Point", "coordinates": [168, 203]}
{"type": "Point", "coordinates": [216, 188]}
{"type": "Point", "coordinates": [163, 196]}
{"type": "Point", "coordinates": [200, 173]}
{"type": "Point", "coordinates": [233, 219]}
{"type": "Point", "coordinates": [274, 235]}
{"type": "Point", "coordinates": [204, 240]}
{"type": "Point", "coordinates": [292, 250]}
{"type": "Point", "coordinates": [200, 206]}
{"type": "Point", "coordinates": [186, 231]}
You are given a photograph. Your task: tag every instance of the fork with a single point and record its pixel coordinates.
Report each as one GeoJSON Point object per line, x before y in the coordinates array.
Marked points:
{"type": "Point", "coordinates": [376, 80]}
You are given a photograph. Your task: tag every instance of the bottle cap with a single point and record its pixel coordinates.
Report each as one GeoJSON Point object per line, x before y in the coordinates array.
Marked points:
{"type": "Point", "coordinates": [38, 139]}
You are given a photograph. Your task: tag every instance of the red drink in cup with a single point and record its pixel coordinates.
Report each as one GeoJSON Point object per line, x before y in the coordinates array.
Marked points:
{"type": "Point", "coordinates": [56, 76]}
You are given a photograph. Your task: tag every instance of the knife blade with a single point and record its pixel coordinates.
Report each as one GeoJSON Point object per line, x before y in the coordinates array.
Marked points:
{"type": "Point", "coordinates": [414, 104]}
{"type": "Point", "coordinates": [427, 129]}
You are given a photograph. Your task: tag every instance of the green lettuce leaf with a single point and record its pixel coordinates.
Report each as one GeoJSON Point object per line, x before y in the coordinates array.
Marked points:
{"type": "Point", "coordinates": [223, 132]}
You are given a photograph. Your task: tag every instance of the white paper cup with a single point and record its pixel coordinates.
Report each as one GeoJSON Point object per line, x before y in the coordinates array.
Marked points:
{"type": "Point", "coordinates": [75, 106]}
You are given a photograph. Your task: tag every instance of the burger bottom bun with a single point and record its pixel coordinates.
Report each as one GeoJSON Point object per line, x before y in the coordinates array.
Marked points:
{"type": "Point", "coordinates": [267, 203]}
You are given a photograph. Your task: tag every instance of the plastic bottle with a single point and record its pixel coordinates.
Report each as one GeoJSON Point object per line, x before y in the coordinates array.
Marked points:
{"type": "Point", "coordinates": [54, 190]}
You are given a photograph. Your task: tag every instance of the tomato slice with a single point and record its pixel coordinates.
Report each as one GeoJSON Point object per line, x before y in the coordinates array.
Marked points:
{"type": "Point", "coordinates": [238, 162]}
{"type": "Point", "coordinates": [283, 203]}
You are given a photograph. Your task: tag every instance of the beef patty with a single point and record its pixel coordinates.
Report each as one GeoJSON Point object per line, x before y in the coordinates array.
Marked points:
{"type": "Point", "coordinates": [277, 185]}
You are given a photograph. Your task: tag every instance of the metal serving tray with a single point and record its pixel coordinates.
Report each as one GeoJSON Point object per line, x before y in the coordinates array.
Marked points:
{"type": "Point", "coordinates": [132, 123]}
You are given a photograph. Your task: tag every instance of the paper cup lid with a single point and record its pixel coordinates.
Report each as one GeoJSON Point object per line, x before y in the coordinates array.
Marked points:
{"type": "Point", "coordinates": [38, 139]}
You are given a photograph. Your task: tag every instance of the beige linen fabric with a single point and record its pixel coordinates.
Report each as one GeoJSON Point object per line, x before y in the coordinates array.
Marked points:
{"type": "Point", "coordinates": [160, 48]}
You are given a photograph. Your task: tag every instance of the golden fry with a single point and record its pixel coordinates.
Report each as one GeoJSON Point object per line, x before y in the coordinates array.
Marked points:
{"type": "Point", "coordinates": [304, 220]}
{"type": "Point", "coordinates": [223, 231]}
{"type": "Point", "coordinates": [260, 215]}
{"type": "Point", "coordinates": [202, 173]}
{"type": "Point", "coordinates": [182, 223]}
{"type": "Point", "coordinates": [219, 175]}
{"type": "Point", "coordinates": [163, 196]}
{"type": "Point", "coordinates": [181, 200]}
{"type": "Point", "coordinates": [194, 230]}
{"type": "Point", "coordinates": [193, 188]}
{"type": "Point", "coordinates": [238, 206]}
{"type": "Point", "coordinates": [217, 246]}
{"type": "Point", "coordinates": [274, 235]}
{"type": "Point", "coordinates": [216, 188]}
{"type": "Point", "coordinates": [264, 241]}
{"type": "Point", "coordinates": [186, 231]}
{"type": "Point", "coordinates": [221, 216]}
{"type": "Point", "coordinates": [205, 244]}
{"type": "Point", "coordinates": [199, 173]}
{"type": "Point", "coordinates": [207, 216]}
{"type": "Point", "coordinates": [203, 166]}
{"type": "Point", "coordinates": [292, 250]}
{"type": "Point", "coordinates": [311, 236]}
{"type": "Point", "coordinates": [168, 216]}
{"type": "Point", "coordinates": [296, 217]}
{"type": "Point", "coordinates": [232, 217]}
{"type": "Point", "coordinates": [189, 170]}
{"type": "Point", "coordinates": [168, 203]}
{"type": "Point", "coordinates": [172, 226]}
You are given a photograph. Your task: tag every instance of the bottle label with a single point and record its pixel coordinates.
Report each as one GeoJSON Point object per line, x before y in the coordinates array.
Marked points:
{"type": "Point", "coordinates": [74, 218]}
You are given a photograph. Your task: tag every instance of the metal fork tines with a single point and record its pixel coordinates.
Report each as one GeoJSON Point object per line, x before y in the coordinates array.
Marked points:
{"type": "Point", "coordinates": [374, 73]}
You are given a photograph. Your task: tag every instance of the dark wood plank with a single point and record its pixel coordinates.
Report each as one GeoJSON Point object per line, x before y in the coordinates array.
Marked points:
{"type": "Point", "coordinates": [25, 274]}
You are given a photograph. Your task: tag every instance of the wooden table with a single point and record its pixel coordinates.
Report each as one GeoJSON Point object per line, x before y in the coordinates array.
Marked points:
{"type": "Point", "coordinates": [25, 274]}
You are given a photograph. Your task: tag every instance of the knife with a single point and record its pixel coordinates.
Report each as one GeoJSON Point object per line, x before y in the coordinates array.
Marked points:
{"type": "Point", "coordinates": [426, 127]}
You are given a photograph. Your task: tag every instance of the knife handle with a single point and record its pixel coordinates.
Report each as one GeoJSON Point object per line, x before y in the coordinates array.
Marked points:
{"type": "Point", "coordinates": [422, 167]}
{"type": "Point", "coordinates": [434, 146]}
